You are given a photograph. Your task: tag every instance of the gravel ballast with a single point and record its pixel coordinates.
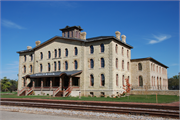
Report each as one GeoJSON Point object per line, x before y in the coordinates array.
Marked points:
{"type": "Point", "coordinates": [81, 114]}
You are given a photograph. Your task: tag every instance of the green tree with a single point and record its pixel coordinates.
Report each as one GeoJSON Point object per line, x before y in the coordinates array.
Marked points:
{"type": "Point", "coordinates": [5, 84]}
{"type": "Point", "coordinates": [173, 83]}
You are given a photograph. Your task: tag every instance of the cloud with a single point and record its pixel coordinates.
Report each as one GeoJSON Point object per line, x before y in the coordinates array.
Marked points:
{"type": "Point", "coordinates": [9, 24]}
{"type": "Point", "coordinates": [174, 64]}
{"type": "Point", "coordinates": [158, 39]}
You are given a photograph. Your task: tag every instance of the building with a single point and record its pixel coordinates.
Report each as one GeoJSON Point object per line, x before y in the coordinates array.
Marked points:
{"type": "Point", "coordinates": [71, 65]}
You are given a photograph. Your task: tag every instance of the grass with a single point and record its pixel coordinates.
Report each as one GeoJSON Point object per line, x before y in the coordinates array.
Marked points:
{"type": "Point", "coordinates": [131, 98]}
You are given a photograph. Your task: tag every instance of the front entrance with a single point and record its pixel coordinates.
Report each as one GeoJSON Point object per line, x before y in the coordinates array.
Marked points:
{"type": "Point", "coordinates": [65, 82]}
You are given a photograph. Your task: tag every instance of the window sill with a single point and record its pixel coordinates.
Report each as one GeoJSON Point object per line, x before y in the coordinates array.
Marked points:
{"type": "Point", "coordinates": [101, 53]}
{"type": "Point", "coordinates": [90, 86]}
{"type": "Point", "coordinates": [102, 68]}
{"type": "Point", "coordinates": [102, 86]}
{"type": "Point", "coordinates": [57, 58]}
{"type": "Point", "coordinates": [75, 55]}
{"type": "Point", "coordinates": [91, 68]}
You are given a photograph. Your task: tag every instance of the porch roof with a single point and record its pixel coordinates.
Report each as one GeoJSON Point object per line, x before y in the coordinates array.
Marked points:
{"type": "Point", "coordinates": [54, 74]}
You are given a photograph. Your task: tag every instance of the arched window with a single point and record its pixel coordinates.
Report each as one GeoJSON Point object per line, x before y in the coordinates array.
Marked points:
{"type": "Point", "coordinates": [102, 48]}
{"type": "Point", "coordinates": [123, 80]}
{"type": "Point", "coordinates": [140, 81]}
{"type": "Point", "coordinates": [66, 52]}
{"type": "Point", "coordinates": [59, 65]}
{"type": "Point", "coordinates": [41, 67]}
{"type": "Point", "coordinates": [75, 64]}
{"type": "Point", "coordinates": [122, 51]}
{"type": "Point", "coordinates": [31, 57]}
{"type": "Point", "coordinates": [157, 69]}
{"type": "Point", "coordinates": [128, 53]}
{"type": "Point", "coordinates": [91, 49]}
{"type": "Point", "coordinates": [41, 55]}
{"type": "Point", "coordinates": [55, 66]}
{"type": "Point", "coordinates": [55, 53]}
{"type": "Point", "coordinates": [59, 50]}
{"type": "Point", "coordinates": [116, 49]}
{"type": "Point", "coordinates": [117, 63]}
{"type": "Point", "coordinates": [139, 66]}
{"type": "Point", "coordinates": [153, 67]}
{"type": "Point", "coordinates": [66, 65]}
{"type": "Point", "coordinates": [75, 51]}
{"type": "Point", "coordinates": [122, 64]}
{"type": "Point", "coordinates": [24, 69]}
{"type": "Point", "coordinates": [91, 63]}
{"type": "Point", "coordinates": [49, 67]}
{"type": "Point", "coordinates": [102, 80]}
{"type": "Point", "coordinates": [102, 63]}
{"type": "Point", "coordinates": [128, 66]}
{"type": "Point", "coordinates": [91, 80]}
{"type": "Point", "coordinates": [30, 68]}
{"type": "Point", "coordinates": [116, 79]}
{"type": "Point", "coordinates": [24, 58]}
{"type": "Point", "coordinates": [49, 54]}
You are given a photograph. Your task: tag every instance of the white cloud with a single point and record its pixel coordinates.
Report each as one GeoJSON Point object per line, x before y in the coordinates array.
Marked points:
{"type": "Point", "coordinates": [9, 24]}
{"type": "Point", "coordinates": [159, 38]}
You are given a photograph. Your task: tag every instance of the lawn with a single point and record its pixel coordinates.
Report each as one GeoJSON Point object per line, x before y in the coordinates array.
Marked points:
{"type": "Point", "coordinates": [131, 98]}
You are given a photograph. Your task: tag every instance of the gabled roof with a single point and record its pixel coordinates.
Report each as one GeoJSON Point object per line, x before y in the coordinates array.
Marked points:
{"type": "Point", "coordinates": [151, 59]}
{"type": "Point", "coordinates": [76, 39]}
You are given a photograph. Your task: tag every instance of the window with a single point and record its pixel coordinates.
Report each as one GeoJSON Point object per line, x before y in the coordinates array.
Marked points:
{"type": "Point", "coordinates": [30, 68]}
{"type": "Point", "coordinates": [122, 51]}
{"type": "Point", "coordinates": [91, 63]}
{"type": "Point", "coordinates": [59, 65]}
{"type": "Point", "coordinates": [128, 66]}
{"type": "Point", "coordinates": [102, 63]}
{"type": "Point", "coordinates": [41, 67]}
{"type": "Point", "coordinates": [24, 69]}
{"type": "Point", "coordinates": [54, 66]}
{"type": "Point", "coordinates": [139, 66]}
{"type": "Point", "coordinates": [91, 80]}
{"type": "Point", "coordinates": [72, 34]}
{"type": "Point", "coordinates": [151, 67]}
{"type": "Point", "coordinates": [31, 57]}
{"type": "Point", "coordinates": [102, 80]}
{"type": "Point", "coordinates": [157, 69]}
{"type": "Point", "coordinates": [24, 58]}
{"type": "Point", "coordinates": [41, 55]}
{"type": "Point", "coordinates": [59, 50]}
{"type": "Point", "coordinates": [66, 52]}
{"type": "Point", "coordinates": [117, 63]}
{"type": "Point", "coordinates": [140, 81]}
{"type": "Point", "coordinates": [128, 53]}
{"type": "Point", "coordinates": [116, 49]}
{"type": "Point", "coordinates": [116, 79]}
{"type": "Point", "coordinates": [66, 65]}
{"type": "Point", "coordinates": [102, 48]}
{"type": "Point", "coordinates": [55, 53]}
{"type": "Point", "coordinates": [91, 49]}
{"type": "Point", "coordinates": [122, 64]}
{"type": "Point", "coordinates": [75, 64]}
{"type": "Point", "coordinates": [49, 54]}
{"type": "Point", "coordinates": [75, 51]}
{"type": "Point", "coordinates": [49, 67]}
{"type": "Point", "coordinates": [123, 80]}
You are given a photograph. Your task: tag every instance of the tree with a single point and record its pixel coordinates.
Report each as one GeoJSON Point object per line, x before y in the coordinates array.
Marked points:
{"type": "Point", "coordinates": [127, 87]}
{"type": "Point", "coordinates": [8, 85]}
{"type": "Point", "coordinates": [173, 83]}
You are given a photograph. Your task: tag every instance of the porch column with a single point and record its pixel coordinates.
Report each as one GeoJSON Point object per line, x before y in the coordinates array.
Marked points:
{"type": "Point", "coordinates": [51, 83]}
{"type": "Point", "coordinates": [41, 84]}
{"type": "Point", "coordinates": [70, 81]}
{"type": "Point", "coordinates": [60, 83]}
{"type": "Point", "coordinates": [33, 84]}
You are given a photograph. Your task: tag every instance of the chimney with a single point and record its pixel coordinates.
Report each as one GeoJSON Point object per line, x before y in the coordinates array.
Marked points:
{"type": "Point", "coordinates": [83, 35]}
{"type": "Point", "coordinates": [29, 47]}
{"type": "Point", "coordinates": [123, 38]}
{"type": "Point", "coordinates": [118, 35]}
{"type": "Point", "coordinates": [38, 43]}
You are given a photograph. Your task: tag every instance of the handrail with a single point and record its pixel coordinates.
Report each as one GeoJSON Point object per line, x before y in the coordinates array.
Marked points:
{"type": "Point", "coordinates": [56, 91]}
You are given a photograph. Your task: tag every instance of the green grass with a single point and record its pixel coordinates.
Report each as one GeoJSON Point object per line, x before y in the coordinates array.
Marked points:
{"type": "Point", "coordinates": [8, 92]}
{"type": "Point", "coordinates": [131, 98]}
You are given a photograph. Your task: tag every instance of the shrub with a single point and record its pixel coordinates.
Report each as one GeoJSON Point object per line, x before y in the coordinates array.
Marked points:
{"type": "Point", "coordinates": [108, 97]}
{"type": "Point", "coordinates": [47, 94]}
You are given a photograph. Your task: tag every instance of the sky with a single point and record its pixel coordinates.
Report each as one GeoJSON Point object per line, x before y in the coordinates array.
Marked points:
{"type": "Point", "coordinates": [151, 27]}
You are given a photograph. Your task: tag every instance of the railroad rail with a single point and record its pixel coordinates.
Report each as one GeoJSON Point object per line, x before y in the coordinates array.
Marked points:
{"type": "Point", "coordinates": [111, 107]}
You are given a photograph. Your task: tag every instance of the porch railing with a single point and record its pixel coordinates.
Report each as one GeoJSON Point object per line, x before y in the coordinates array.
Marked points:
{"type": "Point", "coordinates": [56, 91]}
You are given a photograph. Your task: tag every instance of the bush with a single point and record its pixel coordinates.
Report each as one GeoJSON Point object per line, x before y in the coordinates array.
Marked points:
{"type": "Point", "coordinates": [47, 94]}
{"type": "Point", "coordinates": [108, 97]}
{"type": "Point", "coordinates": [95, 96]}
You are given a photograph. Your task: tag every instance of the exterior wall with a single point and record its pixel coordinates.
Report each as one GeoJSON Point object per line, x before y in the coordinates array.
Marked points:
{"type": "Point", "coordinates": [119, 70]}
{"type": "Point", "coordinates": [160, 79]}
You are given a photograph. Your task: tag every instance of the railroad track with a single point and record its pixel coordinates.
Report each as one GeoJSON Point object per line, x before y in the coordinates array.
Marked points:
{"type": "Point", "coordinates": [160, 111]}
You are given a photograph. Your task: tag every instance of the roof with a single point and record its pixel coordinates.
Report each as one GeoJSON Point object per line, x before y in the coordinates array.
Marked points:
{"type": "Point", "coordinates": [151, 59]}
{"type": "Point", "coordinates": [54, 74]}
{"type": "Point", "coordinates": [67, 27]}
{"type": "Point", "coordinates": [80, 40]}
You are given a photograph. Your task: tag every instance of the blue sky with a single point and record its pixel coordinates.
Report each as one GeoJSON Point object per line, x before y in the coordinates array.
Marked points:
{"type": "Point", "coordinates": [152, 28]}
